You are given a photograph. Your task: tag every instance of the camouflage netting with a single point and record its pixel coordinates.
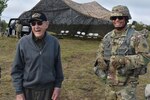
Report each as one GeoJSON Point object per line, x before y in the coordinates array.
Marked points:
{"type": "Point", "coordinates": [72, 16]}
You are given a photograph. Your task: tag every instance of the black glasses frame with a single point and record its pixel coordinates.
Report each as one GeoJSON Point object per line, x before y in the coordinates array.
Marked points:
{"type": "Point", "coordinates": [36, 22]}
{"type": "Point", "coordinates": [117, 17]}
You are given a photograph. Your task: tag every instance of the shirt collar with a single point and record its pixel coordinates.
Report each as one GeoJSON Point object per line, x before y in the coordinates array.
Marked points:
{"type": "Point", "coordinates": [36, 39]}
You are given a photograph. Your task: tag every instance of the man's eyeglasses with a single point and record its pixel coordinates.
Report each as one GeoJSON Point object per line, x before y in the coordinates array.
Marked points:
{"type": "Point", "coordinates": [36, 22]}
{"type": "Point", "coordinates": [117, 17]}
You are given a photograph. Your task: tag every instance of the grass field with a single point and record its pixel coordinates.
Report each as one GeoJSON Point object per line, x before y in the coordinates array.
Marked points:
{"type": "Point", "coordinates": [80, 82]}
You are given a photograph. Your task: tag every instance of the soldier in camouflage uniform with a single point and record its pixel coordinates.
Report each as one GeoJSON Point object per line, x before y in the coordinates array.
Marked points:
{"type": "Point", "coordinates": [18, 28]}
{"type": "Point", "coordinates": [122, 56]}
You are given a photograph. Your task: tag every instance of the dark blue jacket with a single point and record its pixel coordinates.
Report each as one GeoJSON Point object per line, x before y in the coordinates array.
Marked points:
{"type": "Point", "coordinates": [37, 68]}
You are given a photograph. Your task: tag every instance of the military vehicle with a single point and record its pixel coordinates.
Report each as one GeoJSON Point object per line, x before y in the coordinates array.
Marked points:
{"type": "Point", "coordinates": [11, 30]}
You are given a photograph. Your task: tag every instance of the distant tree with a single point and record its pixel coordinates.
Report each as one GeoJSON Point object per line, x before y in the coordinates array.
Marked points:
{"type": "Point", "coordinates": [3, 5]}
{"type": "Point", "coordinates": [139, 26]}
{"type": "Point", "coordinates": [148, 27]}
{"type": "Point", "coordinates": [3, 25]}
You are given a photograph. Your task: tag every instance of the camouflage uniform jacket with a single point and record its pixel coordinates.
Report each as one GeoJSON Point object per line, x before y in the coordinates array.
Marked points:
{"type": "Point", "coordinates": [18, 27]}
{"type": "Point", "coordinates": [121, 55]}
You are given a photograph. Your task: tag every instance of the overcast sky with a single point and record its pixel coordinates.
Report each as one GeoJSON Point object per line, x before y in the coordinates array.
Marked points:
{"type": "Point", "coordinates": [139, 9]}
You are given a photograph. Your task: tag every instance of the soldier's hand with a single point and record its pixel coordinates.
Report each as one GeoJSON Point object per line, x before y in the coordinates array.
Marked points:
{"type": "Point", "coordinates": [101, 63]}
{"type": "Point", "coordinates": [117, 61]}
{"type": "Point", "coordinates": [95, 69]}
{"type": "Point", "coordinates": [120, 61]}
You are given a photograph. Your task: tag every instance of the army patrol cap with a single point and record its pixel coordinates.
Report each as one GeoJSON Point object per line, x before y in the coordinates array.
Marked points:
{"type": "Point", "coordinates": [38, 17]}
{"type": "Point", "coordinates": [120, 10]}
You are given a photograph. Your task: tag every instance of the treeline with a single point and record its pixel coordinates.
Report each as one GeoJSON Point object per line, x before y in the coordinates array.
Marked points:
{"type": "Point", "coordinates": [3, 25]}
{"type": "Point", "coordinates": [138, 26]}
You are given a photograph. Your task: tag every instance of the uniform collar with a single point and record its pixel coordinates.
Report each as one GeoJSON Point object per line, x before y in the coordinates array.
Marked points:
{"type": "Point", "coordinates": [122, 33]}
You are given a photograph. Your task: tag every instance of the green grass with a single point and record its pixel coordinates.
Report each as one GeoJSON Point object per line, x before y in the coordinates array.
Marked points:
{"type": "Point", "coordinates": [78, 57]}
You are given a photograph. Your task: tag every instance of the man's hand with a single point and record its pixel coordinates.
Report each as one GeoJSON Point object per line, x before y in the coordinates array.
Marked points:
{"type": "Point", "coordinates": [56, 93]}
{"type": "Point", "coordinates": [123, 61]}
{"type": "Point", "coordinates": [101, 63]}
{"type": "Point", "coordinates": [20, 97]}
{"type": "Point", "coordinates": [100, 73]}
{"type": "Point", "coordinates": [117, 61]}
